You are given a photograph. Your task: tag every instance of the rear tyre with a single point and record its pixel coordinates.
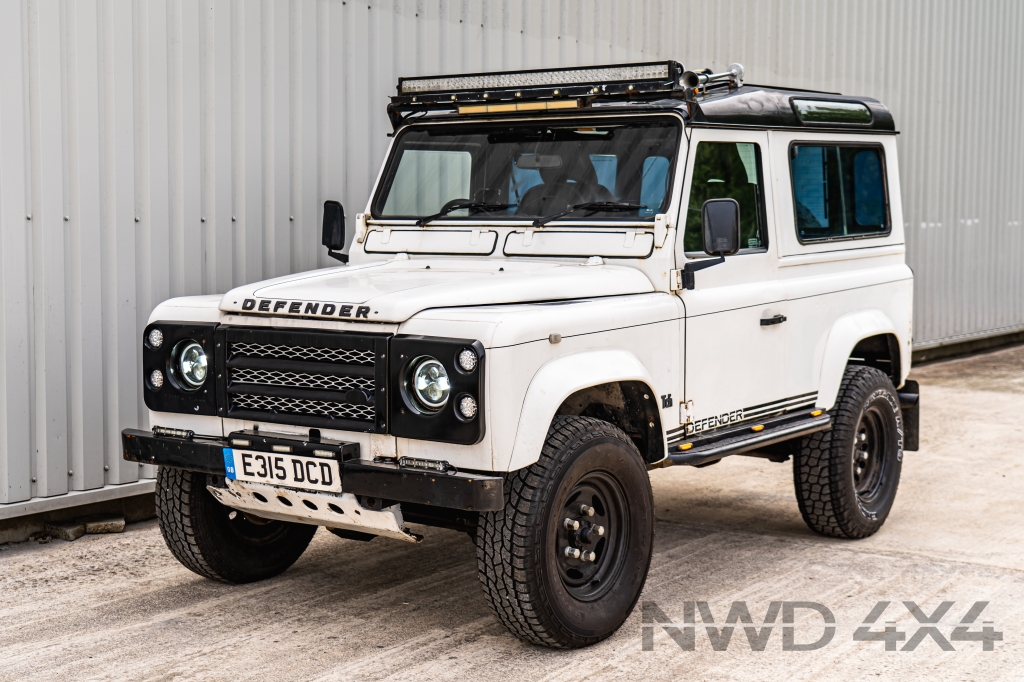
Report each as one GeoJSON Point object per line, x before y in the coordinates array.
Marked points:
{"type": "Point", "coordinates": [563, 564]}
{"type": "Point", "coordinates": [218, 542]}
{"type": "Point", "coordinates": [846, 478]}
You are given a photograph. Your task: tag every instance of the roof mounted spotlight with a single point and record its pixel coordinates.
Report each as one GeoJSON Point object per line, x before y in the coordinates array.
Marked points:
{"type": "Point", "coordinates": [705, 79]}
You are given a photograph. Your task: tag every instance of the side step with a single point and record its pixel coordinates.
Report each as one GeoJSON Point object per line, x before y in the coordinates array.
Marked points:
{"type": "Point", "coordinates": [705, 449]}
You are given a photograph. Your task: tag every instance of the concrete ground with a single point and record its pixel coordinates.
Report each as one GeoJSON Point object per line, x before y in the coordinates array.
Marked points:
{"type": "Point", "coordinates": [120, 607]}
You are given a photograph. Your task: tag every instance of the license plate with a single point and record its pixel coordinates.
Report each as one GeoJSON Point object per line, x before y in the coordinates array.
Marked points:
{"type": "Point", "coordinates": [292, 471]}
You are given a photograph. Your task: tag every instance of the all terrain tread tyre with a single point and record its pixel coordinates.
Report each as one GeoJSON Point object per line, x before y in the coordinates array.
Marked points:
{"type": "Point", "coordinates": [200, 535]}
{"type": "Point", "coordinates": [821, 470]}
{"type": "Point", "coordinates": [173, 490]}
{"type": "Point", "coordinates": [508, 566]}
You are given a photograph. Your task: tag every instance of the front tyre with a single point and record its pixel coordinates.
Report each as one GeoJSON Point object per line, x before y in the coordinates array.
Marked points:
{"type": "Point", "coordinates": [218, 542]}
{"type": "Point", "coordinates": [563, 564]}
{"type": "Point", "coordinates": [846, 478]}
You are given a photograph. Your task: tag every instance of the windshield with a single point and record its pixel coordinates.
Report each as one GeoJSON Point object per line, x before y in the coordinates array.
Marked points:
{"type": "Point", "coordinates": [531, 170]}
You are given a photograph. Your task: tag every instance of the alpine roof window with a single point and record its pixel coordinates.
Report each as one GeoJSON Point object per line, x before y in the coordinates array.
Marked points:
{"type": "Point", "coordinates": [527, 170]}
{"type": "Point", "coordinates": [839, 191]}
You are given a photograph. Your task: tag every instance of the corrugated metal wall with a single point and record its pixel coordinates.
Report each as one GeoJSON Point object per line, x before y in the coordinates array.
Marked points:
{"type": "Point", "coordinates": [174, 147]}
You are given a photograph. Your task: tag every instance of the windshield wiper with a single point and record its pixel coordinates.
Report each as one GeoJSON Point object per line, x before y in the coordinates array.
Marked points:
{"type": "Point", "coordinates": [478, 205]}
{"type": "Point", "coordinates": [592, 205]}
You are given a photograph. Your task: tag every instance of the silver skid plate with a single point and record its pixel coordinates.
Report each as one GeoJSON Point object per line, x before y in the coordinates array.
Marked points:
{"type": "Point", "coordinates": [334, 510]}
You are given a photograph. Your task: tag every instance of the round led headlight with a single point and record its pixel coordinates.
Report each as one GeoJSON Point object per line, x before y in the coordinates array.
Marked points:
{"type": "Point", "coordinates": [156, 338]}
{"type": "Point", "coordinates": [429, 383]}
{"type": "Point", "coordinates": [468, 359]}
{"type": "Point", "coordinates": [189, 363]}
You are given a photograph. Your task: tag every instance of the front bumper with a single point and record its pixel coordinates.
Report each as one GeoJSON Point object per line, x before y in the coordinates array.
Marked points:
{"type": "Point", "coordinates": [359, 477]}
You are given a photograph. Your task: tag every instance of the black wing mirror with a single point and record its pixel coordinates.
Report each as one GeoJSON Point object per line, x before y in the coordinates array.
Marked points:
{"type": "Point", "coordinates": [334, 230]}
{"type": "Point", "coordinates": [721, 222]}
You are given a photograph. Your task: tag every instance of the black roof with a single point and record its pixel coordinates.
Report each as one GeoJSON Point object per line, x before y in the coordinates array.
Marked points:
{"type": "Point", "coordinates": [771, 107]}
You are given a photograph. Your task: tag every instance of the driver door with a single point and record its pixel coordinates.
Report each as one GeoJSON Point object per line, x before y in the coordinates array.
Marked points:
{"type": "Point", "coordinates": [735, 353]}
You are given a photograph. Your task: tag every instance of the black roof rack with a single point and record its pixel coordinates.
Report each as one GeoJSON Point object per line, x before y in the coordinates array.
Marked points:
{"type": "Point", "coordinates": [707, 98]}
{"type": "Point", "coordinates": [536, 89]}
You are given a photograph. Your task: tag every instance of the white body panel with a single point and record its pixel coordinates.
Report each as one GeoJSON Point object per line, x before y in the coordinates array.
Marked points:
{"type": "Point", "coordinates": [734, 363]}
{"type": "Point", "coordinates": [826, 282]}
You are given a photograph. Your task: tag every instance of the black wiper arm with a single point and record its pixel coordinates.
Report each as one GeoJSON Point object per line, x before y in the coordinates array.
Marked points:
{"type": "Point", "coordinates": [592, 205]}
{"type": "Point", "coordinates": [479, 205]}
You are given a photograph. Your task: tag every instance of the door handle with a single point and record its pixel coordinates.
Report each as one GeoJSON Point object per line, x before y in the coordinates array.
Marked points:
{"type": "Point", "coordinates": [776, 319]}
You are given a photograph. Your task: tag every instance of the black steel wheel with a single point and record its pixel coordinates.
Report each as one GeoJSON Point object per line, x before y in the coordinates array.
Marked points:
{"type": "Point", "coordinates": [870, 451]}
{"type": "Point", "coordinates": [563, 564]}
{"type": "Point", "coordinates": [219, 542]}
{"type": "Point", "coordinates": [594, 535]}
{"type": "Point", "coordinates": [846, 478]}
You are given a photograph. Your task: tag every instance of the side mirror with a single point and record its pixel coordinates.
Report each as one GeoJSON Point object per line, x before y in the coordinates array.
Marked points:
{"type": "Point", "coordinates": [333, 236]}
{"type": "Point", "coordinates": [721, 221]}
{"type": "Point", "coordinates": [721, 227]}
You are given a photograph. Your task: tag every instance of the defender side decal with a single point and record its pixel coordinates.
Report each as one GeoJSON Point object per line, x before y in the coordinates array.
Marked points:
{"type": "Point", "coordinates": [744, 414]}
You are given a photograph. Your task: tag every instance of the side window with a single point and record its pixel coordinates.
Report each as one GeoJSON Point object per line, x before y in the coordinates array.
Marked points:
{"type": "Point", "coordinates": [839, 191]}
{"type": "Point", "coordinates": [428, 179]}
{"type": "Point", "coordinates": [727, 170]}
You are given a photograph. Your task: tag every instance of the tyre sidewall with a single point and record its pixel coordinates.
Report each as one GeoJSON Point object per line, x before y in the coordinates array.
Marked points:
{"type": "Point", "coordinates": [597, 619]}
{"type": "Point", "coordinates": [865, 519]}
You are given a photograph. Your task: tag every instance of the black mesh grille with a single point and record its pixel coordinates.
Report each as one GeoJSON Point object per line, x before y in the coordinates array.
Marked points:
{"type": "Point", "coordinates": [299, 406]}
{"type": "Point", "coordinates": [346, 356]}
{"type": "Point", "coordinates": [305, 377]}
{"type": "Point", "coordinates": [269, 377]}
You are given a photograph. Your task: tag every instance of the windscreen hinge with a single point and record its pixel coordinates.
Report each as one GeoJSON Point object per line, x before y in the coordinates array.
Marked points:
{"type": "Point", "coordinates": [661, 225]}
{"type": "Point", "coordinates": [360, 227]}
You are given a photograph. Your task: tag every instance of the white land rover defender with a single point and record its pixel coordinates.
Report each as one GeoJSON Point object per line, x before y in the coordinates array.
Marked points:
{"type": "Point", "coordinates": [562, 281]}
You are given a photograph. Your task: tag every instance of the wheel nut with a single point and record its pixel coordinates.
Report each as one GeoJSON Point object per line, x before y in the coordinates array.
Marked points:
{"type": "Point", "coordinates": [586, 511]}
{"type": "Point", "coordinates": [588, 556]}
{"type": "Point", "coordinates": [572, 553]}
{"type": "Point", "coordinates": [599, 530]}
{"type": "Point", "coordinates": [571, 524]}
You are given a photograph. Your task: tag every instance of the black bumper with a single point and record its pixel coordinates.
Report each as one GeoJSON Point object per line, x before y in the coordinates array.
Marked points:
{"type": "Point", "coordinates": [456, 490]}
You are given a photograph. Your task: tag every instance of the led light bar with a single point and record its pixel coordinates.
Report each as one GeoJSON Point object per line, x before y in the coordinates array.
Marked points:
{"type": "Point", "coordinates": [519, 106]}
{"type": "Point", "coordinates": [661, 71]}
{"type": "Point", "coordinates": [174, 433]}
{"type": "Point", "coordinates": [417, 463]}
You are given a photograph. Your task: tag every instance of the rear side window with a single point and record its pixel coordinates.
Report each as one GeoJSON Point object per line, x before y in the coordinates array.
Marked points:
{"type": "Point", "coordinates": [839, 191]}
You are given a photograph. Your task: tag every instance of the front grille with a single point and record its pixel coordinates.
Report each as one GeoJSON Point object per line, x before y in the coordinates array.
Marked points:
{"type": "Point", "coordinates": [269, 377]}
{"type": "Point", "coordinates": [298, 406]}
{"type": "Point", "coordinates": [346, 356]}
{"type": "Point", "coordinates": [304, 377]}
